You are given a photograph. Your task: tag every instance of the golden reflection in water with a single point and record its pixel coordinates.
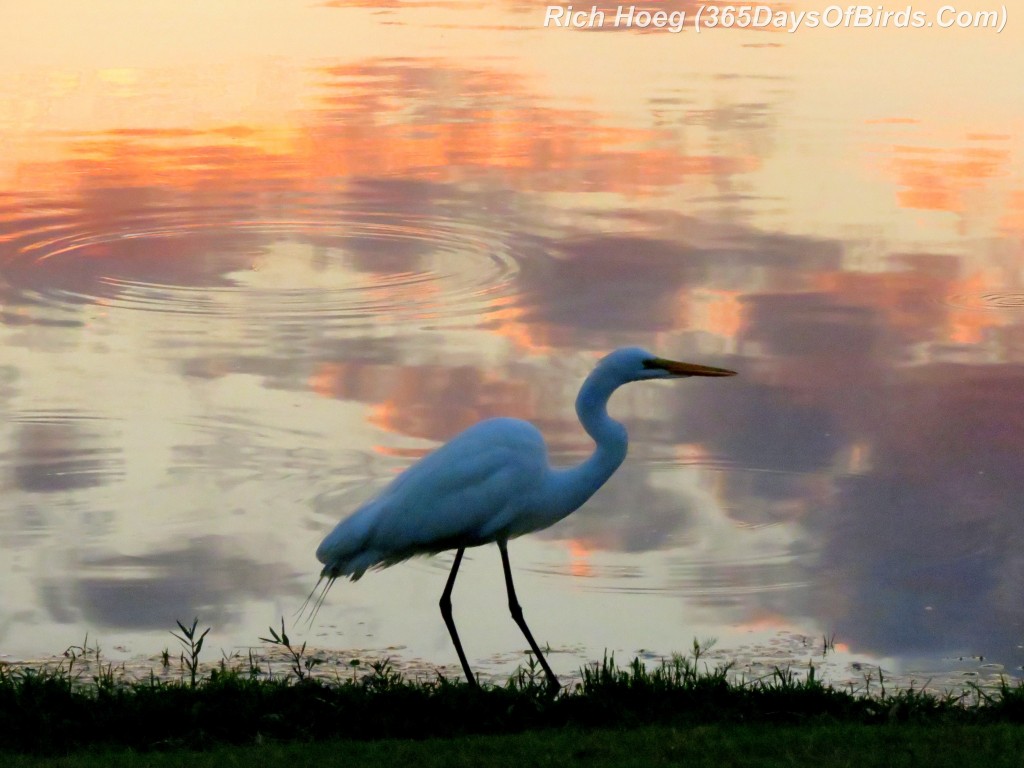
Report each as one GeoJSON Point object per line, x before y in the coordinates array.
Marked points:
{"type": "Point", "coordinates": [579, 555]}
{"type": "Point", "coordinates": [716, 311]}
{"type": "Point", "coordinates": [513, 323]}
{"type": "Point", "coordinates": [933, 179]}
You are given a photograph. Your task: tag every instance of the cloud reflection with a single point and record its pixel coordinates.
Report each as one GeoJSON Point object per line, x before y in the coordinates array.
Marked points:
{"type": "Point", "coordinates": [62, 454]}
{"type": "Point", "coordinates": [438, 243]}
{"type": "Point", "coordinates": [927, 543]}
{"type": "Point", "coordinates": [206, 576]}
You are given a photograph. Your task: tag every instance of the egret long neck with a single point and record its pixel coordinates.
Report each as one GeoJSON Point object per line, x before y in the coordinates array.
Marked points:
{"type": "Point", "coordinates": [574, 485]}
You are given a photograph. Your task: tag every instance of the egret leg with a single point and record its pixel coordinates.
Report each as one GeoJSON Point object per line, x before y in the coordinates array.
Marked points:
{"type": "Point", "coordinates": [517, 616]}
{"type": "Point", "coordinates": [446, 614]}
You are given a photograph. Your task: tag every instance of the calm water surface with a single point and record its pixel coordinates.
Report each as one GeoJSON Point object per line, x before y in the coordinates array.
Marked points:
{"type": "Point", "coordinates": [254, 261]}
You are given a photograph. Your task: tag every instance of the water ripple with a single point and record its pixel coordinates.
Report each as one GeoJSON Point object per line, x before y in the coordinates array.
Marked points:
{"type": "Point", "coordinates": [61, 451]}
{"type": "Point", "coordinates": [328, 266]}
{"type": "Point", "coordinates": [996, 300]}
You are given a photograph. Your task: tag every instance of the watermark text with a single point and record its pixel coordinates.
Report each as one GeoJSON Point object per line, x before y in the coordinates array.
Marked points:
{"type": "Point", "coordinates": [765, 16]}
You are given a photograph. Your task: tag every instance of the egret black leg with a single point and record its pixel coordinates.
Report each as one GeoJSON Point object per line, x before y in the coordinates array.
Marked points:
{"type": "Point", "coordinates": [446, 614]}
{"type": "Point", "coordinates": [517, 616]}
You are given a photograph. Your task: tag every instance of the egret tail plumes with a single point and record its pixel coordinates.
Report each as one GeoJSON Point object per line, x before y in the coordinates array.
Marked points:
{"type": "Point", "coordinates": [490, 484]}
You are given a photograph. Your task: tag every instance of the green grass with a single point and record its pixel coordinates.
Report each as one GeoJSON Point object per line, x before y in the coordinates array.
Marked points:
{"type": "Point", "coordinates": [67, 710]}
{"type": "Point", "coordinates": [822, 746]}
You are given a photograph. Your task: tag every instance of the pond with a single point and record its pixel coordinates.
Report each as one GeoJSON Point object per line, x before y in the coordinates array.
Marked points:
{"type": "Point", "coordinates": [255, 260]}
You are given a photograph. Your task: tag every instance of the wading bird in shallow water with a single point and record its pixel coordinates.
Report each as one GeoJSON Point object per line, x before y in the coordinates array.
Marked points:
{"type": "Point", "coordinates": [491, 483]}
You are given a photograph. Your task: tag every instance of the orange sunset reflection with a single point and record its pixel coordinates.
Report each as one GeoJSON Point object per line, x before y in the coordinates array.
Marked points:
{"type": "Point", "coordinates": [439, 123]}
{"type": "Point", "coordinates": [579, 559]}
{"type": "Point", "coordinates": [484, 122]}
{"type": "Point", "coordinates": [250, 271]}
{"type": "Point", "coordinates": [941, 180]}
{"type": "Point", "coordinates": [435, 402]}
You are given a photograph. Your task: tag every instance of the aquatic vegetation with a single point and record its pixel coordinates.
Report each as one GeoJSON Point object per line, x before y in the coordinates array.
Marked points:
{"type": "Point", "coordinates": [59, 708]}
{"type": "Point", "coordinates": [192, 644]}
{"type": "Point", "coordinates": [301, 665]}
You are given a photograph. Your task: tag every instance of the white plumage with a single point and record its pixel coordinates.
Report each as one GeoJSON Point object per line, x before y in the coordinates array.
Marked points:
{"type": "Point", "coordinates": [485, 484]}
{"type": "Point", "coordinates": [491, 483]}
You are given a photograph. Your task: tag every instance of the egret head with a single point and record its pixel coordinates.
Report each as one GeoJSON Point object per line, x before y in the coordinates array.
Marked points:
{"type": "Point", "coordinates": [636, 364]}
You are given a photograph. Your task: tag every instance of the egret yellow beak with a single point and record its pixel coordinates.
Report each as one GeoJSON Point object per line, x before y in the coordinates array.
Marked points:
{"type": "Point", "coordinates": [686, 369]}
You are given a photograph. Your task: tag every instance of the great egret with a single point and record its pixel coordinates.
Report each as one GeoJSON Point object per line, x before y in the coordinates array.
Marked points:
{"type": "Point", "coordinates": [491, 483]}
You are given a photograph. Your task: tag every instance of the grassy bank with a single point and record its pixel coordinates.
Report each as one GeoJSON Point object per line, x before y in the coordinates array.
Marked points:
{"type": "Point", "coordinates": [821, 746]}
{"type": "Point", "coordinates": [64, 710]}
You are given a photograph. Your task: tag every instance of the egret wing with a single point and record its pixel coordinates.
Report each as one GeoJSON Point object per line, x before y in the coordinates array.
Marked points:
{"type": "Point", "coordinates": [453, 496]}
{"type": "Point", "coordinates": [463, 494]}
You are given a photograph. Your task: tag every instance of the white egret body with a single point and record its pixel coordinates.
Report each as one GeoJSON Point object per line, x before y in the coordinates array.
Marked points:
{"type": "Point", "coordinates": [492, 483]}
